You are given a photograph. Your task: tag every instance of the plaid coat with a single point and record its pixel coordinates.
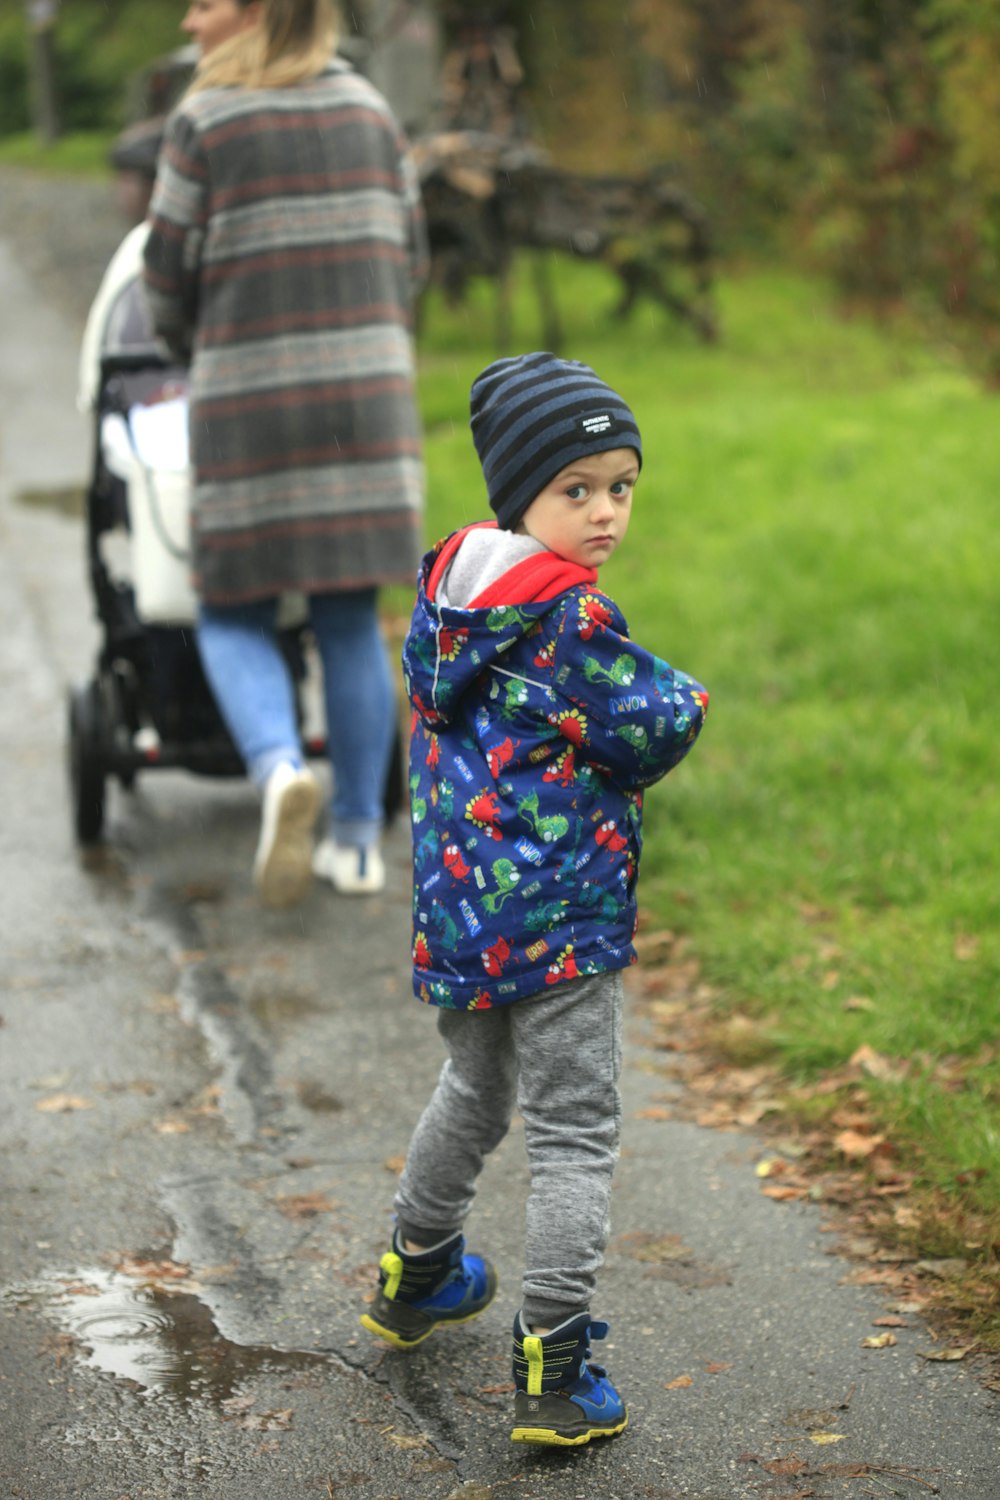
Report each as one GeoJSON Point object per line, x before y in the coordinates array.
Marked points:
{"type": "Point", "coordinates": [285, 246]}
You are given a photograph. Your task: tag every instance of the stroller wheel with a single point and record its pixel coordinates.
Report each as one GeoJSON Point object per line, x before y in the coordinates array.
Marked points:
{"type": "Point", "coordinates": [86, 766]}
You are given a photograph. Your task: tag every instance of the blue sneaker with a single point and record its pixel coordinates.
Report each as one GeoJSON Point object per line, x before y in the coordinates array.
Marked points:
{"type": "Point", "coordinates": [416, 1293]}
{"type": "Point", "coordinates": [560, 1398]}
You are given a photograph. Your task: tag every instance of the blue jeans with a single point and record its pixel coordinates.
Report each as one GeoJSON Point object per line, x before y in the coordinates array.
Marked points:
{"type": "Point", "coordinates": [247, 672]}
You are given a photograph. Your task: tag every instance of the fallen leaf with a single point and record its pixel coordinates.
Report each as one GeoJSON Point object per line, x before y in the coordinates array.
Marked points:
{"type": "Point", "coordinates": [879, 1341]}
{"type": "Point", "coordinates": [62, 1103]}
{"type": "Point", "coordinates": [237, 1403]}
{"type": "Point", "coordinates": [853, 1144]}
{"type": "Point", "coordinates": [653, 1249]}
{"type": "Point", "coordinates": [654, 1112]}
{"type": "Point", "coordinates": [172, 1127]}
{"type": "Point", "coordinates": [267, 1421]}
{"type": "Point", "coordinates": [771, 1166]}
{"type": "Point", "coordinates": [402, 1440]}
{"type": "Point", "coordinates": [60, 1346]}
{"type": "Point", "coordinates": [784, 1194]}
{"type": "Point", "coordinates": [717, 1369]}
{"type": "Point", "coordinates": [943, 1269]}
{"type": "Point", "coordinates": [498, 1390]}
{"type": "Point", "coordinates": [680, 1384]}
{"type": "Point", "coordinates": [876, 1065]}
{"type": "Point", "coordinates": [859, 1002]}
{"type": "Point", "coordinates": [653, 945]}
{"type": "Point", "coordinates": [892, 1321]}
{"type": "Point", "coordinates": [306, 1205]}
{"type": "Point", "coordinates": [946, 1356]}
{"type": "Point", "coordinates": [823, 1438]}
{"type": "Point", "coordinates": [790, 1466]}
{"type": "Point", "coordinates": [394, 1164]}
{"type": "Point", "coordinates": [153, 1270]}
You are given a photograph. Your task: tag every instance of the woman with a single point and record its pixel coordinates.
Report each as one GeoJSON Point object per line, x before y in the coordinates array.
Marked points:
{"type": "Point", "coordinates": [286, 244]}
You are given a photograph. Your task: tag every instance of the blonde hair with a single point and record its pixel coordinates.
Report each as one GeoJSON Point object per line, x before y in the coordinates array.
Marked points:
{"type": "Point", "coordinates": [294, 40]}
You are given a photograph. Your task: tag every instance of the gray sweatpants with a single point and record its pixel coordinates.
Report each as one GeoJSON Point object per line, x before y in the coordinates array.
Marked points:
{"type": "Point", "coordinates": [558, 1056]}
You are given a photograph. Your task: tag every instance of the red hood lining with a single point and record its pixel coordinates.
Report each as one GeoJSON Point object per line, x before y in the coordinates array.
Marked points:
{"type": "Point", "coordinates": [535, 579]}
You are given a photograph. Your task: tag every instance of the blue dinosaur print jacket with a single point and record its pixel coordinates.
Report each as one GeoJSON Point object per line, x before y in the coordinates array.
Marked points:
{"type": "Point", "coordinates": [536, 724]}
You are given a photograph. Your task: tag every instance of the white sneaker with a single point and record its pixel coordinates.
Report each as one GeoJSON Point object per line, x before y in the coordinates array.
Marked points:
{"type": "Point", "coordinates": [282, 867]}
{"type": "Point", "coordinates": [353, 872]}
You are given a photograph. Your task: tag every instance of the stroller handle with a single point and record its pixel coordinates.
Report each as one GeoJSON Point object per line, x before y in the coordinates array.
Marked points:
{"type": "Point", "coordinates": [130, 360]}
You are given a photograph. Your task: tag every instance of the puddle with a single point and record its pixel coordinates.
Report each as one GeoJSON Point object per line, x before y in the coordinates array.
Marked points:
{"type": "Point", "coordinates": [65, 500]}
{"type": "Point", "coordinates": [162, 1341]}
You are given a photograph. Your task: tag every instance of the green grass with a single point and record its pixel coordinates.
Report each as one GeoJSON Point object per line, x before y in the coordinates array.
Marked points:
{"type": "Point", "coordinates": [83, 154]}
{"type": "Point", "coordinates": [815, 537]}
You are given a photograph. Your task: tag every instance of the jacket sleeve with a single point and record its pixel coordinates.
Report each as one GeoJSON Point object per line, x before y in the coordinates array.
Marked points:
{"type": "Point", "coordinates": [178, 216]}
{"type": "Point", "coordinates": [631, 715]}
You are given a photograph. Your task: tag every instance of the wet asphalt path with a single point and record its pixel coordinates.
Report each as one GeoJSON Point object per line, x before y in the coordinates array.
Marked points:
{"type": "Point", "coordinates": [201, 1109]}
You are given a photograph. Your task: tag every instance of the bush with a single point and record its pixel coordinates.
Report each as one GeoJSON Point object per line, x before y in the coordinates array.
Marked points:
{"type": "Point", "coordinates": [97, 48]}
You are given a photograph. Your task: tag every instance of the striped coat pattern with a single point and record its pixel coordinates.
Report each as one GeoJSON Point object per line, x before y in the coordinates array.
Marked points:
{"type": "Point", "coordinates": [285, 247]}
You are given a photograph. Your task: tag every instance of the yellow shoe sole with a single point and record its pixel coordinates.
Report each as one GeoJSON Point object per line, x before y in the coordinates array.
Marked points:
{"type": "Point", "coordinates": [559, 1440]}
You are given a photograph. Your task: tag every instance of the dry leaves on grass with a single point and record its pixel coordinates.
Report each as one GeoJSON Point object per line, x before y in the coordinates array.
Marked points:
{"type": "Point", "coordinates": [841, 1160]}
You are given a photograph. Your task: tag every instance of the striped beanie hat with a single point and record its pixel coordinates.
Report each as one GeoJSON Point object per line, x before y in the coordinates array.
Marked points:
{"type": "Point", "coordinates": [532, 415]}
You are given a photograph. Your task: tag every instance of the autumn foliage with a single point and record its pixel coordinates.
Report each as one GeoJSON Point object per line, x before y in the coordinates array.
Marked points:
{"type": "Point", "coordinates": [860, 139]}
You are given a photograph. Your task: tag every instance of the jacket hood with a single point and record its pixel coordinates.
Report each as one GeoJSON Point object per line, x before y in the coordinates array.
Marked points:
{"type": "Point", "coordinates": [449, 648]}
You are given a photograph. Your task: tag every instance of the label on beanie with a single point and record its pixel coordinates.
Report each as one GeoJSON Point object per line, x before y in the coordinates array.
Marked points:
{"type": "Point", "coordinates": [593, 426]}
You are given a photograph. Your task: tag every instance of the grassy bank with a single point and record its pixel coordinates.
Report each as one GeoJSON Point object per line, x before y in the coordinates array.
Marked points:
{"type": "Point", "coordinates": [814, 537]}
{"type": "Point", "coordinates": [83, 154]}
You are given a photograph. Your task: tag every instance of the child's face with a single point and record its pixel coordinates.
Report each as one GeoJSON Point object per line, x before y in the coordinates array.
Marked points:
{"type": "Point", "coordinates": [583, 513]}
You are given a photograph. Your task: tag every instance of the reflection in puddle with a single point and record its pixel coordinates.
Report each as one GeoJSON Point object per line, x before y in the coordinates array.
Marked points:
{"type": "Point", "coordinates": [163, 1341]}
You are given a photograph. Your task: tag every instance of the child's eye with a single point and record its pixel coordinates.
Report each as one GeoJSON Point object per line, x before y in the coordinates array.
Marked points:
{"type": "Point", "coordinates": [576, 491]}
{"type": "Point", "coordinates": [621, 487]}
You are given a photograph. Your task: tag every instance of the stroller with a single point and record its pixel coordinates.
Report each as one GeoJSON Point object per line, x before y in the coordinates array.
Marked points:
{"type": "Point", "coordinates": [148, 705]}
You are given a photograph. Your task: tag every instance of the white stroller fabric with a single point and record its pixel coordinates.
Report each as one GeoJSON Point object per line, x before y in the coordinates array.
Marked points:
{"type": "Point", "coordinates": [101, 336]}
{"type": "Point", "coordinates": [147, 447]}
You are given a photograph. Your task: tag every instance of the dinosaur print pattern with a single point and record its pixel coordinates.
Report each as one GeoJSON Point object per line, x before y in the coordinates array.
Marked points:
{"type": "Point", "coordinates": [537, 724]}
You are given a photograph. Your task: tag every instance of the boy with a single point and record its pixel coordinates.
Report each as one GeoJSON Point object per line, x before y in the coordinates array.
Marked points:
{"type": "Point", "coordinates": [537, 723]}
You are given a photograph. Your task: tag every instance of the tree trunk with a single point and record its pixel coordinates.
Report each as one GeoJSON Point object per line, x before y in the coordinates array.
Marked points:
{"type": "Point", "coordinates": [41, 17]}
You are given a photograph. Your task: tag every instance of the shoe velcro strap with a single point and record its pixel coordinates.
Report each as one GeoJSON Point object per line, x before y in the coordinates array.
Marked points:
{"type": "Point", "coordinates": [391, 1266]}
{"type": "Point", "coordinates": [535, 1357]}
